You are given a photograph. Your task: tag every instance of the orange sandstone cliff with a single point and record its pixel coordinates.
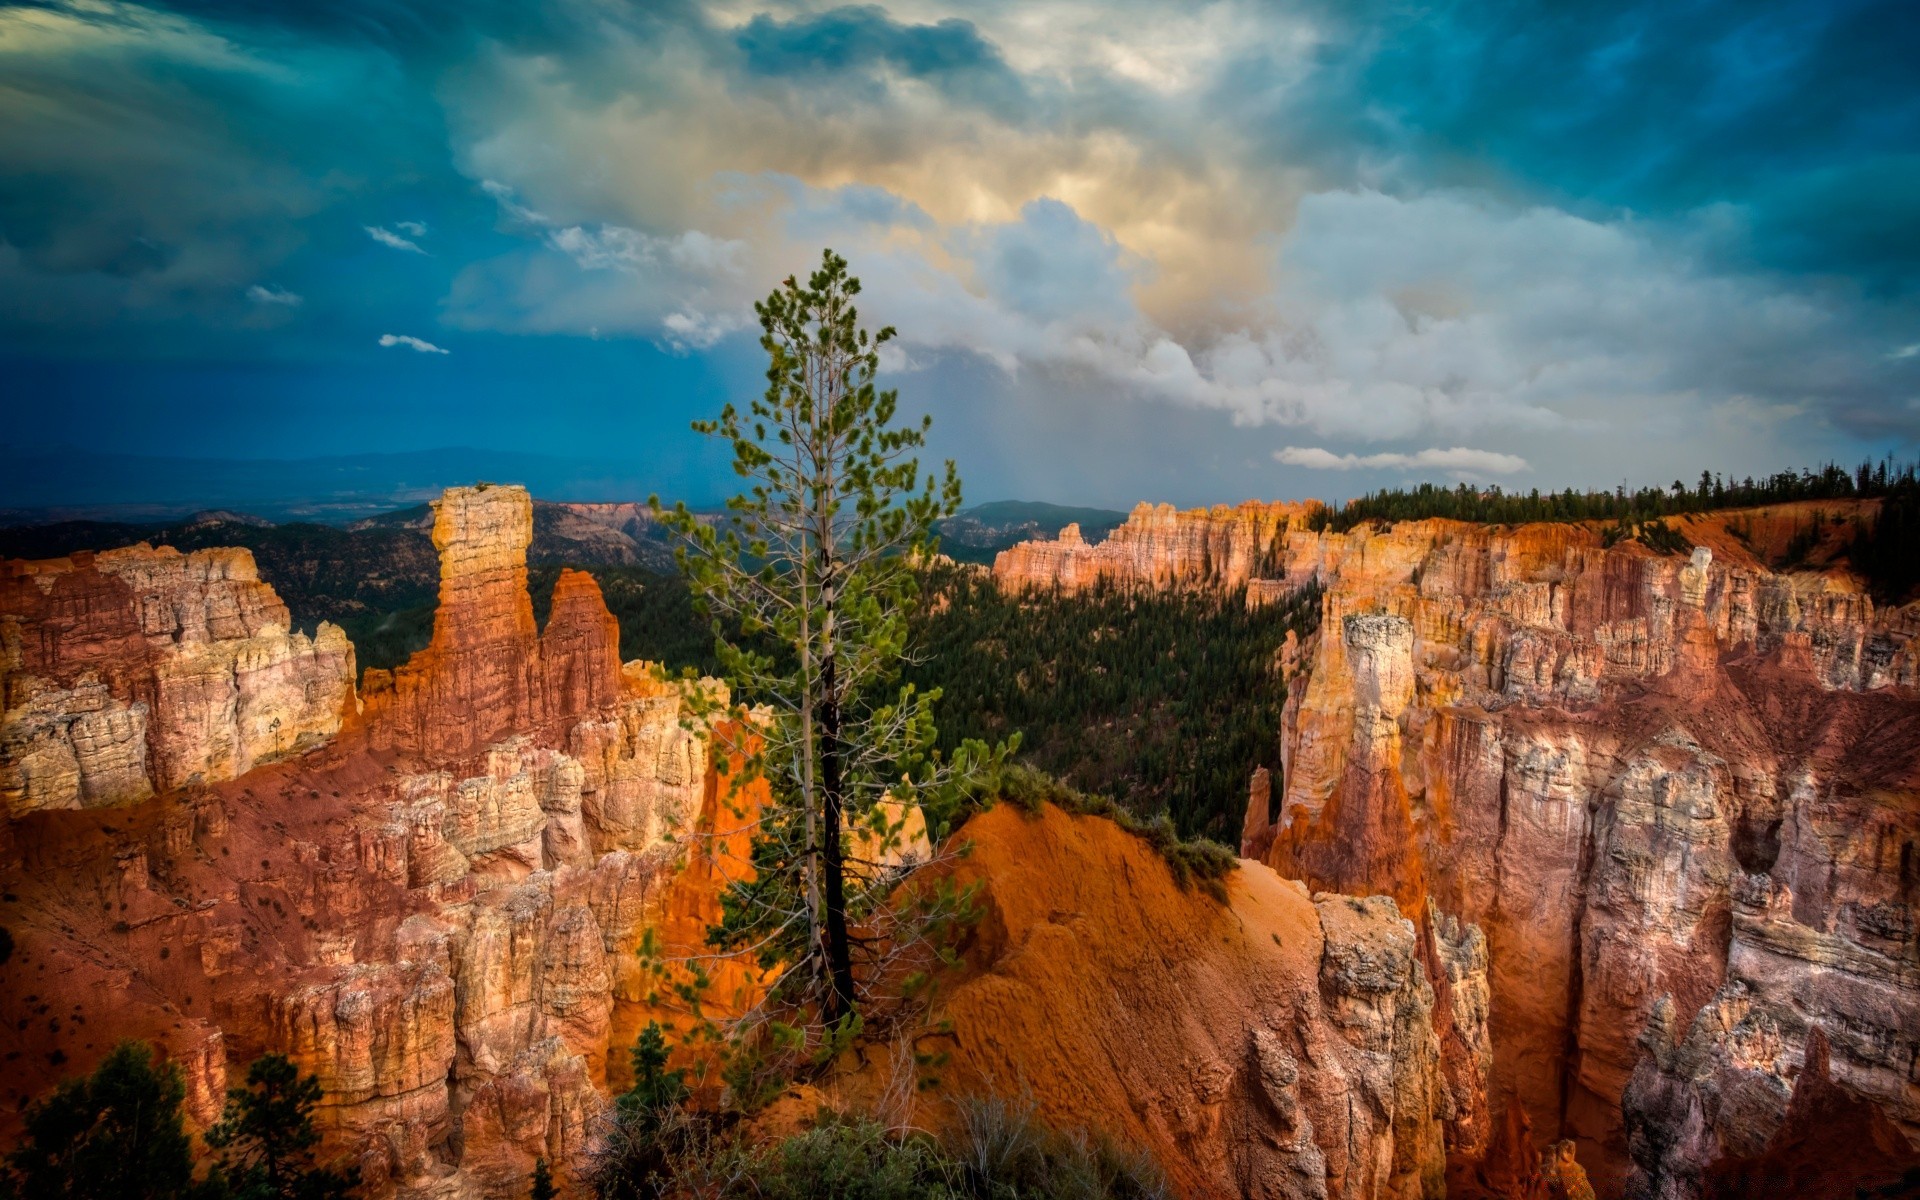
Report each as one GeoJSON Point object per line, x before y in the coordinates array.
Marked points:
{"type": "Point", "coordinates": [143, 669]}
{"type": "Point", "coordinates": [1281, 1045]}
{"type": "Point", "coordinates": [429, 895]}
{"type": "Point", "coordinates": [1159, 547]}
{"type": "Point", "coordinates": [1680, 795]}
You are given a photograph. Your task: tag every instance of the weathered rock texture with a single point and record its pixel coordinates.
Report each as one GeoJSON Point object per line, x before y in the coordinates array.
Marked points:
{"type": "Point", "coordinates": [436, 913]}
{"type": "Point", "coordinates": [1681, 795]}
{"type": "Point", "coordinates": [144, 669]}
{"type": "Point", "coordinates": [1159, 546]}
{"type": "Point", "coordinates": [1280, 1045]}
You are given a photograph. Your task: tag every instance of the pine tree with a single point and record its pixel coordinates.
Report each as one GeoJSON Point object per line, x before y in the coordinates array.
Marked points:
{"type": "Point", "coordinates": [656, 1090]}
{"type": "Point", "coordinates": [543, 1188]}
{"type": "Point", "coordinates": [116, 1133]}
{"type": "Point", "coordinates": [265, 1141]}
{"type": "Point", "coordinates": [815, 562]}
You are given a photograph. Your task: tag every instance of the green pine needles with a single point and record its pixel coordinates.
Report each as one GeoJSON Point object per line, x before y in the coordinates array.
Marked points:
{"type": "Point", "coordinates": [120, 1132]}
{"type": "Point", "coordinates": [808, 579]}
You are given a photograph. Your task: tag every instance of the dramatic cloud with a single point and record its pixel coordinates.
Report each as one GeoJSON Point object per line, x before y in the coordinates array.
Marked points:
{"type": "Point", "coordinates": [1619, 241]}
{"type": "Point", "coordinates": [413, 343]}
{"type": "Point", "coordinates": [387, 237]}
{"type": "Point", "coordinates": [1457, 458]}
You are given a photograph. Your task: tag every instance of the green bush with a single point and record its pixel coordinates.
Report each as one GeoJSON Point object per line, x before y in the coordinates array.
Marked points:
{"type": "Point", "coordinates": [846, 1158]}
{"type": "Point", "coordinates": [1001, 1151]}
{"type": "Point", "coordinates": [997, 1150]}
{"type": "Point", "coordinates": [119, 1133]}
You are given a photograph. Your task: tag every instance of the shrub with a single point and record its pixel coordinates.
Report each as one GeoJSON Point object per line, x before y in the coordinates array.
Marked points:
{"type": "Point", "coordinates": [1002, 1152]}
{"type": "Point", "coordinates": [998, 1150]}
{"type": "Point", "coordinates": [846, 1158]}
{"type": "Point", "coordinates": [652, 1139]}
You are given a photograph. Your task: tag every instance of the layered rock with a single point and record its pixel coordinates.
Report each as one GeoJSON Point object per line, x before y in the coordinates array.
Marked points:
{"type": "Point", "coordinates": [143, 669]}
{"type": "Point", "coordinates": [1159, 546]}
{"type": "Point", "coordinates": [1668, 788]}
{"type": "Point", "coordinates": [437, 913]}
{"type": "Point", "coordinates": [1280, 1045]}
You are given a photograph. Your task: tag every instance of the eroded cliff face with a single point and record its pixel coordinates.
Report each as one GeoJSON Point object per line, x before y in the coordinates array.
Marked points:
{"type": "Point", "coordinates": [1283, 1045]}
{"type": "Point", "coordinates": [1680, 795]}
{"type": "Point", "coordinates": [1159, 546]}
{"type": "Point", "coordinates": [143, 669]}
{"type": "Point", "coordinates": [436, 912]}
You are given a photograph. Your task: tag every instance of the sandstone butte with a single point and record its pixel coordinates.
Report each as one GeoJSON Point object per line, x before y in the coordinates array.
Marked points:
{"type": "Point", "coordinates": [1679, 795]}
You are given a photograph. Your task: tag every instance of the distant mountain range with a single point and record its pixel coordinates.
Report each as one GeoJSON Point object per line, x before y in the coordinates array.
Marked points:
{"type": "Point", "coordinates": [78, 499]}
{"type": "Point", "coordinates": [41, 486]}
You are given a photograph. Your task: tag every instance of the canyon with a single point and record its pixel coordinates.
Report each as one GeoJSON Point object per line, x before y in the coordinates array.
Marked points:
{"type": "Point", "coordinates": [1577, 847]}
{"type": "Point", "coordinates": [1677, 793]}
{"type": "Point", "coordinates": [429, 890]}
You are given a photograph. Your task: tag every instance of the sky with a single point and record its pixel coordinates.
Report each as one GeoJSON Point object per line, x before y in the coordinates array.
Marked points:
{"type": "Point", "coordinates": [1195, 253]}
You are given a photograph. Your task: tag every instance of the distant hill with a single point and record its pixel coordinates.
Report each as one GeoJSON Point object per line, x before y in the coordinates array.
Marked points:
{"type": "Point", "coordinates": [378, 564]}
{"type": "Point", "coordinates": [37, 487]}
{"type": "Point", "coordinates": [981, 532]}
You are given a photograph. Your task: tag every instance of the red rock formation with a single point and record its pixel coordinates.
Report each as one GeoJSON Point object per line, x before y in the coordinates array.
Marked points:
{"type": "Point", "coordinates": [1831, 1146]}
{"type": "Point", "coordinates": [143, 669]}
{"type": "Point", "coordinates": [437, 914]}
{"type": "Point", "coordinates": [1280, 1045]}
{"type": "Point", "coordinates": [1645, 777]}
{"type": "Point", "coordinates": [1159, 547]}
{"type": "Point", "coordinates": [1510, 1169]}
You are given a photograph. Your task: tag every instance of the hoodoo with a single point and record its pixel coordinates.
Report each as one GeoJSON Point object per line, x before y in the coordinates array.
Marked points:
{"type": "Point", "coordinates": [435, 911]}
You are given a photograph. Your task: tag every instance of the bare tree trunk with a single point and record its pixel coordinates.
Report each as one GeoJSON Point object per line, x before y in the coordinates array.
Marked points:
{"type": "Point", "coordinates": [839, 954]}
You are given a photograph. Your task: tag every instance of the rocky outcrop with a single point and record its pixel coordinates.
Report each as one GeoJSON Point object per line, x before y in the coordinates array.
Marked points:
{"type": "Point", "coordinates": [139, 670]}
{"type": "Point", "coordinates": [1280, 1045]}
{"type": "Point", "coordinates": [1159, 546]}
{"type": "Point", "coordinates": [437, 912]}
{"type": "Point", "coordinates": [1671, 790]}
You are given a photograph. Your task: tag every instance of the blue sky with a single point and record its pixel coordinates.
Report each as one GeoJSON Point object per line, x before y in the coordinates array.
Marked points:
{"type": "Point", "coordinates": [1194, 253]}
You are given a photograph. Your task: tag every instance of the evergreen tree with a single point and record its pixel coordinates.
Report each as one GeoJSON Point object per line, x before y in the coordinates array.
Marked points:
{"type": "Point", "coordinates": [266, 1143]}
{"type": "Point", "coordinates": [814, 567]}
{"type": "Point", "coordinates": [656, 1090]}
{"type": "Point", "coordinates": [116, 1134]}
{"type": "Point", "coordinates": [543, 1188]}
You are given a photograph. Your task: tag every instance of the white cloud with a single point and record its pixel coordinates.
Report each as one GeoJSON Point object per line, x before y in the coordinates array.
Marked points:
{"type": "Point", "coordinates": [411, 228]}
{"type": "Point", "coordinates": [387, 237]}
{"type": "Point", "coordinates": [401, 339]}
{"type": "Point", "coordinates": [1905, 351]}
{"type": "Point", "coordinates": [614, 246]}
{"type": "Point", "coordinates": [504, 197]}
{"type": "Point", "coordinates": [1455, 458]}
{"type": "Point", "coordinates": [273, 294]}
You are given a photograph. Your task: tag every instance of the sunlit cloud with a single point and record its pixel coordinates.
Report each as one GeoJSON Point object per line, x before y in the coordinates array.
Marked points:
{"type": "Point", "coordinates": [1299, 218]}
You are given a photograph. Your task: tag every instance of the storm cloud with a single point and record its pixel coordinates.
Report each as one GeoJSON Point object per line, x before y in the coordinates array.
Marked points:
{"type": "Point", "coordinates": [1593, 242]}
